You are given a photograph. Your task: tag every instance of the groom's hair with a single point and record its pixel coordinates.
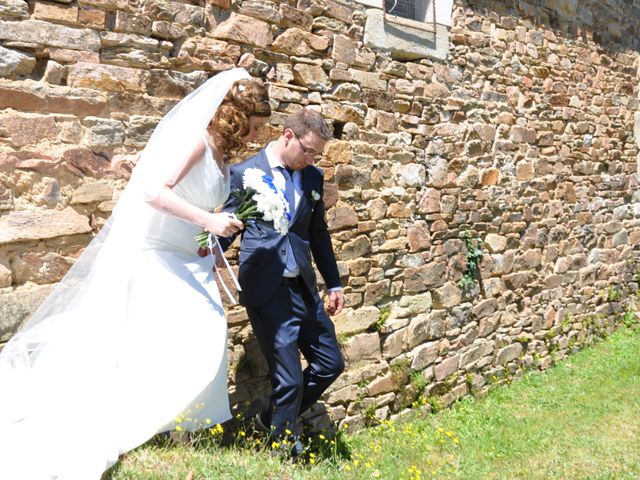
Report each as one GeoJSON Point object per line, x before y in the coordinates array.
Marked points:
{"type": "Point", "coordinates": [308, 120]}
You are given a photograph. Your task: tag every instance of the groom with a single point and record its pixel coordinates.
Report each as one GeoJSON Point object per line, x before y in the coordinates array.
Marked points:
{"type": "Point", "coordinates": [277, 278]}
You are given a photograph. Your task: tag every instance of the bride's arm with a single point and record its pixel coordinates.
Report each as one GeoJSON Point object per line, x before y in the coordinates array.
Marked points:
{"type": "Point", "coordinates": [169, 202]}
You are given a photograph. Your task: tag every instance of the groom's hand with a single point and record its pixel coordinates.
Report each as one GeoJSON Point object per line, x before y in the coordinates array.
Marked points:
{"type": "Point", "coordinates": [336, 302]}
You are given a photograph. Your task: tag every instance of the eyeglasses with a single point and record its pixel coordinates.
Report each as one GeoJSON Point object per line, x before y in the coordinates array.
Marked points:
{"type": "Point", "coordinates": [310, 152]}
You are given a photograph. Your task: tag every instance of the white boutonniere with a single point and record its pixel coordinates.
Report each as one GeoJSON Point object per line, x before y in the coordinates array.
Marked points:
{"type": "Point", "coordinates": [315, 196]}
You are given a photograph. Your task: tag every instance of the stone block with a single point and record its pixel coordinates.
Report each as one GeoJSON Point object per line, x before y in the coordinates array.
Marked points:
{"type": "Point", "coordinates": [419, 279]}
{"type": "Point", "coordinates": [294, 18]}
{"type": "Point", "coordinates": [55, 12]}
{"type": "Point", "coordinates": [344, 50]}
{"type": "Point", "coordinates": [356, 248]}
{"type": "Point", "coordinates": [355, 321]}
{"type": "Point", "coordinates": [524, 171]}
{"type": "Point", "coordinates": [398, 210]}
{"type": "Point", "coordinates": [447, 296]}
{"type": "Point", "coordinates": [393, 344]}
{"type": "Point", "coordinates": [16, 306]}
{"type": "Point", "coordinates": [508, 353]}
{"type": "Point", "coordinates": [342, 216]}
{"type": "Point", "coordinates": [103, 132]}
{"type": "Point", "coordinates": [26, 129]}
{"type": "Point", "coordinates": [39, 224]}
{"type": "Point", "coordinates": [49, 34]}
{"type": "Point", "coordinates": [495, 243]}
{"type": "Point", "coordinates": [311, 77]}
{"type": "Point", "coordinates": [424, 355]}
{"type": "Point", "coordinates": [348, 176]}
{"type": "Point", "coordinates": [425, 327]}
{"type": "Point", "coordinates": [92, 191]}
{"type": "Point", "coordinates": [14, 9]}
{"type": "Point", "coordinates": [419, 237]}
{"type": "Point", "coordinates": [447, 367]}
{"type": "Point", "coordinates": [242, 29]}
{"type": "Point", "coordinates": [344, 113]}
{"type": "Point", "coordinates": [92, 18]}
{"type": "Point", "coordinates": [376, 292]}
{"type": "Point", "coordinates": [54, 73]}
{"type": "Point", "coordinates": [381, 385]}
{"type": "Point", "coordinates": [167, 30]}
{"type": "Point", "coordinates": [39, 267]}
{"type": "Point", "coordinates": [370, 80]}
{"type": "Point", "coordinates": [344, 395]}
{"type": "Point", "coordinates": [14, 63]}
{"type": "Point", "coordinates": [411, 305]}
{"type": "Point", "coordinates": [6, 276]}
{"type": "Point", "coordinates": [409, 175]}
{"type": "Point", "coordinates": [363, 348]}
{"type": "Point", "coordinates": [83, 162]}
{"type": "Point", "coordinates": [523, 135]}
{"type": "Point", "coordinates": [294, 41]}
{"type": "Point", "coordinates": [107, 77]}
{"type": "Point", "coordinates": [339, 11]}
{"type": "Point", "coordinates": [429, 201]}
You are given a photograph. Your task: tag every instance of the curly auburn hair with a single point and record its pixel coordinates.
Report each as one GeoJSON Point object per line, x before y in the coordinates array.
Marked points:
{"type": "Point", "coordinates": [245, 98]}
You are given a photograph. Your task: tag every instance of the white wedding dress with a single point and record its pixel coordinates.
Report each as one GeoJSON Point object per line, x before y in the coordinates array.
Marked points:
{"type": "Point", "coordinates": [110, 374]}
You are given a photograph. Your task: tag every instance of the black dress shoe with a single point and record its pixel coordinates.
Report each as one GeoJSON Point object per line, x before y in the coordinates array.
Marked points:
{"type": "Point", "coordinates": [261, 422]}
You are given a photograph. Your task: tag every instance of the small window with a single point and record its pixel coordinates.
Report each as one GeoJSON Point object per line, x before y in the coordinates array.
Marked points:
{"type": "Point", "coordinates": [420, 14]}
{"type": "Point", "coordinates": [409, 29]}
{"type": "Point", "coordinates": [401, 8]}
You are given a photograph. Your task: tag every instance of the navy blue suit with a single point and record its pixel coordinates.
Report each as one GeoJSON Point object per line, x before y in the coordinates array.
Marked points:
{"type": "Point", "coordinates": [288, 316]}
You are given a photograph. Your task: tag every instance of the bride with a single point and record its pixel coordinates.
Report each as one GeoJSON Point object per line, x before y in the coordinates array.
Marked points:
{"type": "Point", "coordinates": [133, 340]}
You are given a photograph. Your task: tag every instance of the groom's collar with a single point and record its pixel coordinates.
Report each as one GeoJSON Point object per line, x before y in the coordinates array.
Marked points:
{"type": "Point", "coordinates": [272, 159]}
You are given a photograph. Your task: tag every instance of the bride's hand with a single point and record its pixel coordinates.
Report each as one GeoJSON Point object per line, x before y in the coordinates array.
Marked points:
{"type": "Point", "coordinates": [223, 224]}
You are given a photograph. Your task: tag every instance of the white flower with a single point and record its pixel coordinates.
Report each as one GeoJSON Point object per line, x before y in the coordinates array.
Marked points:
{"type": "Point", "coordinates": [270, 201]}
{"type": "Point", "coordinates": [315, 195]}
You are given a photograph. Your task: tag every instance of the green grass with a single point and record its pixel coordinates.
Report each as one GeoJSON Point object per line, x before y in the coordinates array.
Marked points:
{"type": "Point", "coordinates": [579, 420]}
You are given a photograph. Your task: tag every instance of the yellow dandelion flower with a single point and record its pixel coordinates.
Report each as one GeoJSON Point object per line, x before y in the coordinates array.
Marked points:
{"type": "Point", "coordinates": [456, 441]}
{"type": "Point", "coordinates": [242, 433]}
{"type": "Point", "coordinates": [207, 421]}
{"type": "Point", "coordinates": [321, 437]}
{"type": "Point", "coordinates": [347, 468]}
{"type": "Point", "coordinates": [275, 445]}
{"type": "Point", "coordinates": [287, 431]}
{"type": "Point", "coordinates": [178, 428]}
{"type": "Point", "coordinates": [312, 461]}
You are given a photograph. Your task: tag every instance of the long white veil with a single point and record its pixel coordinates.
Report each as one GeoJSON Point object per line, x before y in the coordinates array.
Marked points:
{"type": "Point", "coordinates": [100, 272]}
{"type": "Point", "coordinates": [81, 323]}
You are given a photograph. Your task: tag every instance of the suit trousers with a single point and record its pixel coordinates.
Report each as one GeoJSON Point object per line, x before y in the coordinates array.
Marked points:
{"type": "Point", "coordinates": [290, 323]}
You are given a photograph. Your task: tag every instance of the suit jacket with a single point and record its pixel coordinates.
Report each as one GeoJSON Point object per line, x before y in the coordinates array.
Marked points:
{"type": "Point", "coordinates": [263, 250]}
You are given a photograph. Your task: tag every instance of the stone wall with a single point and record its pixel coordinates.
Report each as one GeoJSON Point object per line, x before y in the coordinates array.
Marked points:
{"type": "Point", "coordinates": [523, 138]}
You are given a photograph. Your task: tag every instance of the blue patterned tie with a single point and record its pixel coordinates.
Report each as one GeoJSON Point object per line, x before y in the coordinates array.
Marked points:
{"type": "Point", "coordinates": [289, 190]}
{"type": "Point", "coordinates": [290, 197]}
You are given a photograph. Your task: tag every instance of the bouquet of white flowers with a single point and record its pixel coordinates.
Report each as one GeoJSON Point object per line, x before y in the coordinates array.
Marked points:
{"type": "Point", "coordinates": [260, 200]}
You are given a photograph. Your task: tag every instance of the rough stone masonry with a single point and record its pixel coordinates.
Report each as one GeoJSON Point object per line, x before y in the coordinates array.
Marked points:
{"type": "Point", "coordinates": [525, 137]}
